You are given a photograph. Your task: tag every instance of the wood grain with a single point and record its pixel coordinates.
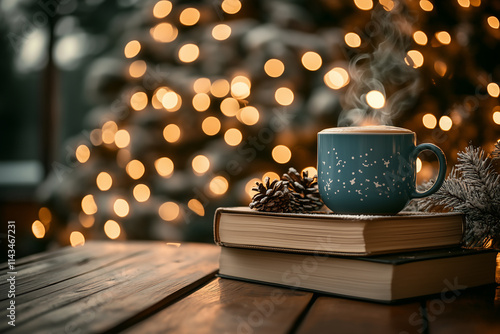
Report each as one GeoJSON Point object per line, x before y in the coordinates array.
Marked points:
{"type": "Point", "coordinates": [471, 311]}
{"type": "Point", "coordinates": [338, 315]}
{"type": "Point", "coordinates": [230, 306]}
{"type": "Point", "coordinates": [102, 299]}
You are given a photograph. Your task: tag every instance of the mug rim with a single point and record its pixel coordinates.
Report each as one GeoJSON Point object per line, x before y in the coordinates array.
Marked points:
{"type": "Point", "coordinates": [367, 130]}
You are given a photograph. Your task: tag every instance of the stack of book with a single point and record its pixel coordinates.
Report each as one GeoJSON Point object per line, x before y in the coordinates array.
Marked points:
{"type": "Point", "coordinates": [380, 258]}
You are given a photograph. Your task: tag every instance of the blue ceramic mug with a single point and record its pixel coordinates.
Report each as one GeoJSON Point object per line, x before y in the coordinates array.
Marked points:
{"type": "Point", "coordinates": [371, 170]}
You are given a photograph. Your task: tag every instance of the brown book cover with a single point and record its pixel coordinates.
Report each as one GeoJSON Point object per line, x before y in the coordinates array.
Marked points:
{"type": "Point", "coordinates": [327, 233]}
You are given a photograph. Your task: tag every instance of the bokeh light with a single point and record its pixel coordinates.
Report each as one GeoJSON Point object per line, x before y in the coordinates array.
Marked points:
{"type": "Point", "coordinates": [231, 6]}
{"type": "Point", "coordinates": [311, 61]}
{"type": "Point", "coordinates": [426, 5]}
{"type": "Point", "coordinates": [45, 215]}
{"type": "Point", "coordinates": [445, 123]}
{"type": "Point", "coordinates": [420, 37]}
{"type": "Point", "coordinates": [311, 171]}
{"type": "Point", "coordinates": [141, 192]}
{"type": "Point", "coordinates": [202, 85]}
{"type": "Point", "coordinates": [249, 185]}
{"type": "Point", "coordinates": [336, 78]}
{"type": "Point", "coordinates": [274, 68]}
{"type": "Point", "coordinates": [271, 175]}
{"type": "Point", "coordinates": [375, 99]}
{"type": "Point", "coordinates": [196, 207]}
{"type": "Point", "coordinates": [230, 106]}
{"type": "Point", "coordinates": [112, 229]}
{"type": "Point", "coordinates": [189, 16]}
{"type": "Point", "coordinates": [429, 121]}
{"type": "Point", "coordinates": [211, 125]}
{"type": "Point", "coordinates": [200, 164]}
{"type": "Point", "coordinates": [38, 229]}
{"type": "Point", "coordinates": [414, 58]}
{"type": "Point", "coordinates": [440, 68]}
{"type": "Point", "coordinates": [364, 4]}
{"type": "Point", "coordinates": [88, 205]}
{"type": "Point", "coordinates": [104, 181]}
{"type": "Point", "coordinates": [122, 138]}
{"type": "Point", "coordinates": [172, 133]}
{"type": "Point", "coordinates": [138, 101]}
{"type": "Point", "coordinates": [220, 88]}
{"type": "Point", "coordinates": [352, 39]}
{"type": "Point", "coordinates": [137, 68]}
{"type": "Point", "coordinates": [493, 22]}
{"type": "Point", "coordinates": [164, 166]}
{"type": "Point", "coordinates": [201, 102]}
{"type": "Point", "coordinates": [284, 96]}
{"type": "Point", "coordinates": [189, 53]}
{"type": "Point", "coordinates": [132, 49]}
{"type": "Point", "coordinates": [121, 207]}
{"type": "Point", "coordinates": [248, 115]}
{"type": "Point", "coordinates": [496, 117]}
{"type": "Point", "coordinates": [135, 169]}
{"type": "Point", "coordinates": [164, 32]}
{"type": "Point", "coordinates": [233, 137]}
{"type": "Point", "coordinates": [218, 185]}
{"type": "Point", "coordinates": [419, 165]}
{"type": "Point", "coordinates": [76, 239]}
{"type": "Point", "coordinates": [493, 89]}
{"type": "Point", "coordinates": [221, 32]}
{"type": "Point", "coordinates": [82, 153]}
{"type": "Point", "coordinates": [162, 9]}
{"type": "Point", "coordinates": [169, 211]}
{"type": "Point", "coordinates": [443, 37]}
{"type": "Point", "coordinates": [281, 154]}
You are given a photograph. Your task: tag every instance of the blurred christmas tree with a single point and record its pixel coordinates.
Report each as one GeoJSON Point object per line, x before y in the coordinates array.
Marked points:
{"type": "Point", "coordinates": [200, 99]}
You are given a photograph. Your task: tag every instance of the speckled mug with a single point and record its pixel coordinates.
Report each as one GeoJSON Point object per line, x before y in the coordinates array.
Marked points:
{"type": "Point", "coordinates": [371, 170]}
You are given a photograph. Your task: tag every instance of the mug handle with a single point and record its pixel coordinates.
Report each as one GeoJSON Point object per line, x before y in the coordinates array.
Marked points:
{"type": "Point", "coordinates": [442, 169]}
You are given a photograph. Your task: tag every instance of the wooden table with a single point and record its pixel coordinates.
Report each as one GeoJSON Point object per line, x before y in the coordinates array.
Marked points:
{"type": "Point", "coordinates": [153, 287]}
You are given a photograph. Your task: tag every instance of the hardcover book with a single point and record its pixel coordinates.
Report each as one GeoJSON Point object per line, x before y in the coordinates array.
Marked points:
{"type": "Point", "coordinates": [383, 278]}
{"type": "Point", "coordinates": [326, 233]}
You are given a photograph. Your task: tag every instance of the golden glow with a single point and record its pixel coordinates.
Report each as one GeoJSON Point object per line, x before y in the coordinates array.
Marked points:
{"type": "Point", "coordinates": [169, 100]}
{"type": "Point", "coordinates": [387, 4]}
{"type": "Point", "coordinates": [231, 6]}
{"type": "Point", "coordinates": [202, 85]}
{"type": "Point", "coordinates": [121, 207]}
{"type": "Point", "coordinates": [364, 4]}
{"type": "Point", "coordinates": [493, 89]}
{"type": "Point", "coordinates": [139, 101]}
{"type": "Point", "coordinates": [443, 37]}
{"type": "Point", "coordinates": [352, 39]}
{"type": "Point", "coordinates": [426, 5]}
{"type": "Point", "coordinates": [475, 3]}
{"type": "Point", "coordinates": [122, 138]}
{"type": "Point", "coordinates": [135, 169]}
{"type": "Point", "coordinates": [164, 32]}
{"type": "Point", "coordinates": [104, 181]}
{"type": "Point", "coordinates": [38, 229]}
{"type": "Point", "coordinates": [220, 88]}
{"type": "Point", "coordinates": [493, 22]}
{"type": "Point", "coordinates": [85, 220]}
{"type": "Point", "coordinates": [189, 53]}
{"type": "Point", "coordinates": [233, 137]}
{"type": "Point", "coordinates": [221, 32]}
{"type": "Point", "coordinates": [284, 96]}
{"type": "Point", "coordinates": [241, 78]}
{"type": "Point", "coordinates": [200, 164]}
{"type": "Point", "coordinates": [196, 207]}
{"type": "Point", "coordinates": [164, 166]}
{"type": "Point", "coordinates": [137, 68]}
{"type": "Point", "coordinates": [281, 154]}
{"type": "Point", "coordinates": [169, 211]}
{"type": "Point", "coordinates": [311, 171]}
{"type": "Point", "coordinates": [201, 102]}
{"type": "Point", "coordinates": [189, 16]}
{"type": "Point", "coordinates": [464, 3]}
{"type": "Point", "coordinates": [88, 205]}
{"type": "Point", "coordinates": [141, 192]}
{"type": "Point", "coordinates": [375, 99]}
{"type": "Point", "coordinates": [419, 165]}
{"type": "Point", "coordinates": [274, 68]}
{"type": "Point", "coordinates": [496, 117]}
{"type": "Point", "coordinates": [172, 133]}
{"type": "Point", "coordinates": [311, 61]}
{"type": "Point", "coordinates": [429, 121]}
{"type": "Point", "coordinates": [249, 185]}
{"type": "Point", "coordinates": [218, 185]}
{"type": "Point", "coordinates": [96, 137]}
{"type": "Point", "coordinates": [76, 239]}
{"type": "Point", "coordinates": [420, 37]}
{"type": "Point", "coordinates": [440, 68]}
{"type": "Point", "coordinates": [112, 229]}
{"type": "Point", "coordinates": [445, 123]}
{"type": "Point", "coordinates": [155, 102]}
{"type": "Point", "coordinates": [271, 175]}
{"type": "Point", "coordinates": [229, 106]}
{"type": "Point", "coordinates": [240, 90]}
{"type": "Point", "coordinates": [248, 115]}
{"type": "Point", "coordinates": [162, 9]}
{"type": "Point", "coordinates": [132, 49]}
{"type": "Point", "coordinates": [414, 58]}
{"type": "Point", "coordinates": [82, 153]}
{"type": "Point", "coordinates": [336, 78]}
{"type": "Point", "coordinates": [45, 215]}
{"type": "Point", "coordinates": [211, 126]}
{"type": "Point", "coordinates": [109, 130]}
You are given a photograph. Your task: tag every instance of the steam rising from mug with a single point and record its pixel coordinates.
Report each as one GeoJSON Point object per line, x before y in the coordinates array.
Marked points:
{"type": "Point", "coordinates": [383, 70]}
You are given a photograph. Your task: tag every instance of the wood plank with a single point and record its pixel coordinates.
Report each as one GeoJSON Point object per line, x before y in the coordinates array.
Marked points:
{"type": "Point", "coordinates": [230, 306]}
{"type": "Point", "coordinates": [41, 274]}
{"type": "Point", "coordinates": [341, 315]}
{"type": "Point", "coordinates": [475, 310]}
{"type": "Point", "coordinates": [141, 286]}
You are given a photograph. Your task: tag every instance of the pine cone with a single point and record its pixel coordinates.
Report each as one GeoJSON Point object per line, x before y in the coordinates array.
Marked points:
{"type": "Point", "coordinates": [274, 196]}
{"type": "Point", "coordinates": [305, 193]}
